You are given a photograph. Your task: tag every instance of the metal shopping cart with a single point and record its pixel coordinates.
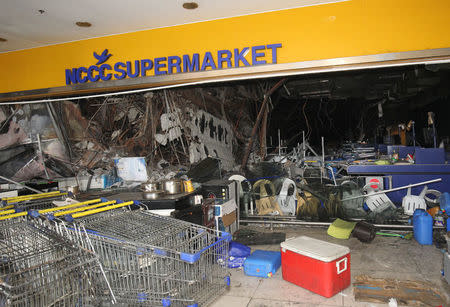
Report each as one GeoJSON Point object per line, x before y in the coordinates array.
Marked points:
{"type": "Point", "coordinates": [56, 211]}
{"type": "Point", "coordinates": [148, 259]}
{"type": "Point", "coordinates": [155, 260]}
{"type": "Point", "coordinates": [23, 203]}
{"type": "Point", "coordinates": [38, 267]}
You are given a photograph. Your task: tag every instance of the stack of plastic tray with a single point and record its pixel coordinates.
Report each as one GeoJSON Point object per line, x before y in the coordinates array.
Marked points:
{"type": "Point", "coordinates": [38, 267]}
{"type": "Point", "coordinates": [154, 260]}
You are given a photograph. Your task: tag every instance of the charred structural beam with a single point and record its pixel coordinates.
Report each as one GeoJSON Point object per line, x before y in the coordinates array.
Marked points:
{"type": "Point", "coordinates": [258, 120]}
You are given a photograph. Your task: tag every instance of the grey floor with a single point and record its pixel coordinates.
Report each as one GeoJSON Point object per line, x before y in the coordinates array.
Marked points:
{"type": "Point", "coordinates": [385, 257]}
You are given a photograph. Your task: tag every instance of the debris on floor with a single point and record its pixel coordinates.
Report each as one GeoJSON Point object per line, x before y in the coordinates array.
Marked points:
{"type": "Point", "coordinates": [410, 293]}
{"type": "Point", "coordinates": [341, 229]}
{"type": "Point", "coordinates": [364, 232]}
{"type": "Point", "coordinates": [407, 236]}
{"type": "Point", "coordinates": [252, 237]}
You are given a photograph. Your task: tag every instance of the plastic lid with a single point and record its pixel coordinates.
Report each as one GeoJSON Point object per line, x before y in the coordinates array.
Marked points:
{"type": "Point", "coordinates": [313, 248]}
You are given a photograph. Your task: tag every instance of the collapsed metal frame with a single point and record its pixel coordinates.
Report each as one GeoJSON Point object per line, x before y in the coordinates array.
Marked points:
{"type": "Point", "coordinates": [271, 220]}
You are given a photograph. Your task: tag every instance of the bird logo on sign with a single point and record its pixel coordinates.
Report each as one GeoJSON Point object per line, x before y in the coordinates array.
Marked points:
{"type": "Point", "coordinates": [102, 58]}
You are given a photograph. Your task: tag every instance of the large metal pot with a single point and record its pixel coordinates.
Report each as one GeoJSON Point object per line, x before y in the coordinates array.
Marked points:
{"type": "Point", "coordinates": [174, 186]}
{"type": "Point", "coordinates": [151, 186]}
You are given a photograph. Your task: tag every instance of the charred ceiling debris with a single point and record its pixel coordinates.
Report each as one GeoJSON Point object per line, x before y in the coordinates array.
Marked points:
{"type": "Point", "coordinates": [269, 132]}
{"type": "Point", "coordinates": [175, 128]}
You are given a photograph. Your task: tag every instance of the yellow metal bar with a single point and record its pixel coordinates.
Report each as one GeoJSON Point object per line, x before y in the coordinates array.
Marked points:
{"type": "Point", "coordinates": [88, 202]}
{"type": "Point", "coordinates": [76, 215]}
{"type": "Point", "coordinates": [32, 195]}
{"type": "Point", "coordinates": [7, 207]}
{"type": "Point", "coordinates": [5, 217]}
{"type": "Point", "coordinates": [34, 198]}
{"type": "Point", "coordinates": [84, 208]}
{"type": "Point", "coordinates": [8, 214]}
{"type": "Point", "coordinates": [4, 212]}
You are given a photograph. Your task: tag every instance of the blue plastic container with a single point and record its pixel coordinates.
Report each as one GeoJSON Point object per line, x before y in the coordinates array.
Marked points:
{"type": "Point", "coordinates": [423, 227]}
{"type": "Point", "coordinates": [444, 202]}
{"type": "Point", "coordinates": [262, 263]}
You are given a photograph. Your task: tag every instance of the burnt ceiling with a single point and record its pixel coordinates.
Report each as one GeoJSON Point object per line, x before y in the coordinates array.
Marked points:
{"type": "Point", "coordinates": [395, 84]}
{"type": "Point", "coordinates": [346, 105]}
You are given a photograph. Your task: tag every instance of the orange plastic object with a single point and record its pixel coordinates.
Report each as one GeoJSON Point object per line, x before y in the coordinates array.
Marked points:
{"type": "Point", "coordinates": [433, 211]}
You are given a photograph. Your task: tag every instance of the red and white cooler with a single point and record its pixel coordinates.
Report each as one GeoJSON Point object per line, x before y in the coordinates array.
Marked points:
{"type": "Point", "coordinates": [316, 265]}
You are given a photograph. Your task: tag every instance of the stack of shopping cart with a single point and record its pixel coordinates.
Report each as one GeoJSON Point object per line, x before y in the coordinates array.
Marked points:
{"type": "Point", "coordinates": [38, 267]}
{"type": "Point", "coordinates": [144, 258]}
{"type": "Point", "coordinates": [159, 260]}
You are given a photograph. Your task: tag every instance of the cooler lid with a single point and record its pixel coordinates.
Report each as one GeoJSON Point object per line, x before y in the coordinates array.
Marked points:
{"type": "Point", "coordinates": [313, 248]}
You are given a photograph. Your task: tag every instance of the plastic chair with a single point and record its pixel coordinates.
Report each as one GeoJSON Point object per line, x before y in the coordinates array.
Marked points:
{"type": "Point", "coordinates": [412, 202]}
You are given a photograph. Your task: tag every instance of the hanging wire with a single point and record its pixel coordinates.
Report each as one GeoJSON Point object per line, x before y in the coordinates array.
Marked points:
{"type": "Point", "coordinates": [308, 133]}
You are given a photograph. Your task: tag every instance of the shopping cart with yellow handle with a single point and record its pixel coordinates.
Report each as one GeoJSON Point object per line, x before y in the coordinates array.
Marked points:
{"type": "Point", "coordinates": [32, 201]}
{"type": "Point", "coordinates": [155, 260]}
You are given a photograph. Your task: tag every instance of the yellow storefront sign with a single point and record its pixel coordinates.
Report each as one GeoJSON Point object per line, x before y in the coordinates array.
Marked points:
{"type": "Point", "coordinates": [268, 41]}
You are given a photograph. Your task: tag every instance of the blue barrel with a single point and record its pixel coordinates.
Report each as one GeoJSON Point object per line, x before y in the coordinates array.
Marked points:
{"type": "Point", "coordinates": [423, 227]}
{"type": "Point", "coordinates": [444, 202]}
